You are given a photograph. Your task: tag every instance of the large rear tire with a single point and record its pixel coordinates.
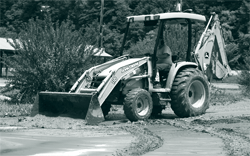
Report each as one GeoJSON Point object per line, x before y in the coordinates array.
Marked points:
{"type": "Point", "coordinates": [190, 93]}
{"type": "Point", "coordinates": [138, 104]}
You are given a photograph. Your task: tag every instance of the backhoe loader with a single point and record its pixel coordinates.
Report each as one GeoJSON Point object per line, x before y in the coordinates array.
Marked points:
{"type": "Point", "coordinates": [129, 81]}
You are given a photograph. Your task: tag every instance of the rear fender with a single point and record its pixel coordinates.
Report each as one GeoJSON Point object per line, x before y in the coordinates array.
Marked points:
{"type": "Point", "coordinates": [174, 70]}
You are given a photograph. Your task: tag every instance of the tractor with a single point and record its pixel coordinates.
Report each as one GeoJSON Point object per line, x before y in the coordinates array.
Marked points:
{"type": "Point", "coordinates": [130, 80]}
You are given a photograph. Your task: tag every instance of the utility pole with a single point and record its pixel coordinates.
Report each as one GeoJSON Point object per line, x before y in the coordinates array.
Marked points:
{"type": "Point", "coordinates": [179, 6]}
{"type": "Point", "coordinates": [101, 25]}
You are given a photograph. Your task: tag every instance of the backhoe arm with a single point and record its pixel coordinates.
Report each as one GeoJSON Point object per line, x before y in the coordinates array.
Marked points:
{"type": "Point", "coordinates": [210, 52]}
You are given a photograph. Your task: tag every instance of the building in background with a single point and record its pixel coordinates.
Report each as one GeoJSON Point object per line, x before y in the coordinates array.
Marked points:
{"type": "Point", "coordinates": [7, 49]}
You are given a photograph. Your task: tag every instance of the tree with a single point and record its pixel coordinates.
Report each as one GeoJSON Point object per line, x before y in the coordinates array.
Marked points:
{"type": "Point", "coordinates": [5, 5]}
{"type": "Point", "coordinates": [114, 21]}
{"type": "Point", "coordinates": [21, 11]}
{"type": "Point", "coordinates": [241, 30]}
{"type": "Point", "coordinates": [24, 10]}
{"type": "Point", "coordinates": [142, 7]}
{"type": "Point", "coordinates": [244, 18]}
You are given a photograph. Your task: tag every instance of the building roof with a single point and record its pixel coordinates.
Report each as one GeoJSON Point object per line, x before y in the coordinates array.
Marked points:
{"type": "Point", "coordinates": [5, 45]}
{"type": "Point", "coordinates": [97, 51]}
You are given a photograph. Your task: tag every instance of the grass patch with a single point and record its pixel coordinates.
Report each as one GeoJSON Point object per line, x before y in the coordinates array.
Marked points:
{"type": "Point", "coordinates": [13, 110]}
{"type": "Point", "coordinates": [224, 96]}
{"type": "Point", "coordinates": [229, 79]}
{"type": "Point", "coordinates": [244, 81]}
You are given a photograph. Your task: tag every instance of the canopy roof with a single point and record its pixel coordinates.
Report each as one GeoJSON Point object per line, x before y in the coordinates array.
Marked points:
{"type": "Point", "coordinates": [170, 15]}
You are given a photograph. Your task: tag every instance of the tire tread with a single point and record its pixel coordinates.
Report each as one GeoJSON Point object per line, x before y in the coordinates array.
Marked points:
{"type": "Point", "coordinates": [179, 104]}
{"type": "Point", "coordinates": [128, 104]}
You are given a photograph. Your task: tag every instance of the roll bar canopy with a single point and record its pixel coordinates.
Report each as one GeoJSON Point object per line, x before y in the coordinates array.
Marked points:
{"type": "Point", "coordinates": [170, 15]}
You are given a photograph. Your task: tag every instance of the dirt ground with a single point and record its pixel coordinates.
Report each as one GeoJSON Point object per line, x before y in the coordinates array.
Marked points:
{"type": "Point", "coordinates": [229, 121]}
{"type": "Point", "coordinates": [142, 142]}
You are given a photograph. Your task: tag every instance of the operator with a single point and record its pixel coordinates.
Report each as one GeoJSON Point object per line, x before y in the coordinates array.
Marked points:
{"type": "Point", "coordinates": [164, 56]}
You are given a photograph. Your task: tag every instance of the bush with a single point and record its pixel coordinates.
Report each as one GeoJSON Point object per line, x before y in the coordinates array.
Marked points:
{"type": "Point", "coordinates": [244, 45]}
{"type": "Point", "coordinates": [244, 78]}
{"type": "Point", "coordinates": [232, 51]}
{"type": "Point", "coordinates": [49, 57]}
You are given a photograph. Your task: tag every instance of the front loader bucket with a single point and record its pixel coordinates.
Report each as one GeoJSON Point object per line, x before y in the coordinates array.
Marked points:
{"type": "Point", "coordinates": [76, 105]}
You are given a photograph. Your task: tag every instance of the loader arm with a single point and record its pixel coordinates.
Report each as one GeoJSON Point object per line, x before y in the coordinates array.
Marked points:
{"type": "Point", "coordinates": [86, 78]}
{"type": "Point", "coordinates": [121, 71]}
{"type": "Point", "coordinates": [210, 52]}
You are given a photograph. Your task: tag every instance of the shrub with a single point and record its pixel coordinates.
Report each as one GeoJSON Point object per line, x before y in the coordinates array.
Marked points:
{"type": "Point", "coordinates": [244, 45]}
{"type": "Point", "coordinates": [49, 57]}
{"type": "Point", "coordinates": [232, 51]}
{"type": "Point", "coordinates": [243, 80]}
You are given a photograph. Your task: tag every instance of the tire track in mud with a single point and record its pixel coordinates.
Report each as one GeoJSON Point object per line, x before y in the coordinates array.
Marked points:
{"type": "Point", "coordinates": [144, 141]}
{"type": "Point", "coordinates": [235, 143]}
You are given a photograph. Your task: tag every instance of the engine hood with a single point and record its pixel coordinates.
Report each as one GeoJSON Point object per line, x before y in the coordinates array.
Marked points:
{"type": "Point", "coordinates": [114, 67]}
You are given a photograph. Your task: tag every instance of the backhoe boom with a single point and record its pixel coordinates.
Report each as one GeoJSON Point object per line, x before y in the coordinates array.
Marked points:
{"type": "Point", "coordinates": [210, 52]}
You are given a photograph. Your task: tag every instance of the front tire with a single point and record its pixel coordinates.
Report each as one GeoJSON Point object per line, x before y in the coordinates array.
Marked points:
{"type": "Point", "coordinates": [138, 104]}
{"type": "Point", "coordinates": [190, 93]}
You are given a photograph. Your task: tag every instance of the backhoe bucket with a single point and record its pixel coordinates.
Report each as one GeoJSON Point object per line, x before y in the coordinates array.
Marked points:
{"type": "Point", "coordinates": [76, 105]}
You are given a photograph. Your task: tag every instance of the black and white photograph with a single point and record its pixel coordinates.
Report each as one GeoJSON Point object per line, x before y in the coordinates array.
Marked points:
{"type": "Point", "coordinates": [124, 78]}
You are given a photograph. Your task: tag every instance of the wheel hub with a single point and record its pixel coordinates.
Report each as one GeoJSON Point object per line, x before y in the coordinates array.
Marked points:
{"type": "Point", "coordinates": [196, 94]}
{"type": "Point", "coordinates": [142, 105]}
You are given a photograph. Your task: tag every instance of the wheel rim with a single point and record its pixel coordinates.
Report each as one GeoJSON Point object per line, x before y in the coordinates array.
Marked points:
{"type": "Point", "coordinates": [196, 94]}
{"type": "Point", "coordinates": [142, 105]}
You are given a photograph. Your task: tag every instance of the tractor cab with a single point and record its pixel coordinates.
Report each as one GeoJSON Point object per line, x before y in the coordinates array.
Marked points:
{"type": "Point", "coordinates": [161, 21]}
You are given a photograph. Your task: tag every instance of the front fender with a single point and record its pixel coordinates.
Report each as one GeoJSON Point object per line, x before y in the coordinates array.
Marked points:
{"type": "Point", "coordinates": [174, 70]}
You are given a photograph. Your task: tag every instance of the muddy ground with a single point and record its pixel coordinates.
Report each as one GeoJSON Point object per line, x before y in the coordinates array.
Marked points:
{"type": "Point", "coordinates": [229, 121]}
{"type": "Point", "coordinates": [143, 140]}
